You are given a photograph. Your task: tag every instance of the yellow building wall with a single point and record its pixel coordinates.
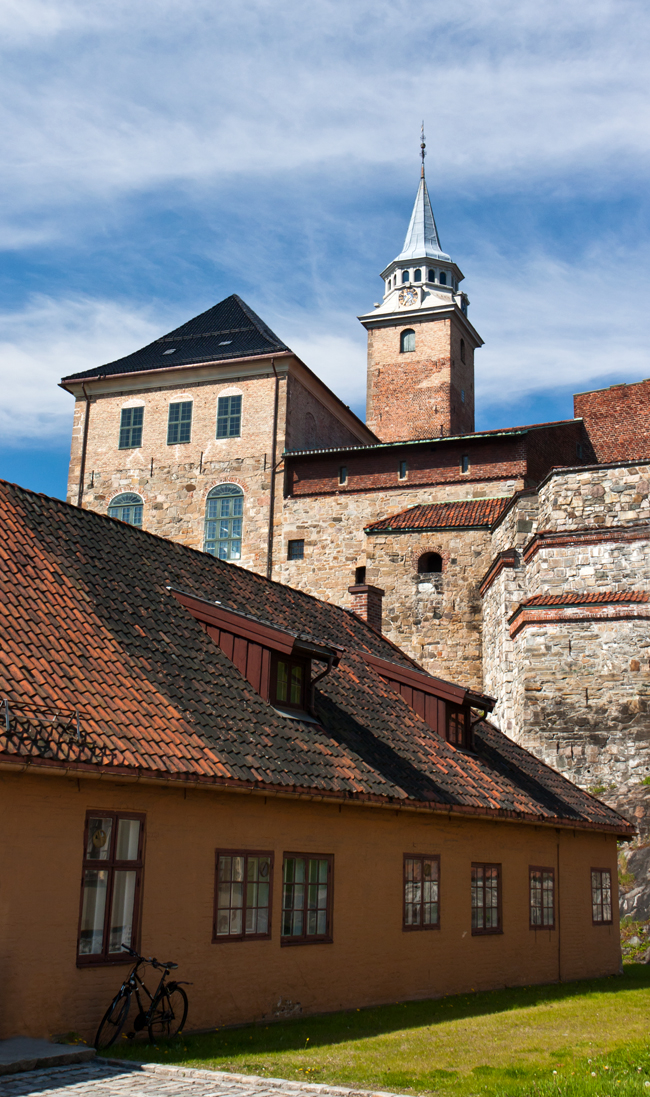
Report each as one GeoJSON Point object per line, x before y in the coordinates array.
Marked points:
{"type": "Point", "coordinates": [371, 959]}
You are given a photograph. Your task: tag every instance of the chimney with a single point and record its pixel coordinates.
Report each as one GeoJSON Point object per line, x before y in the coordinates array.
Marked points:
{"type": "Point", "coordinates": [366, 603]}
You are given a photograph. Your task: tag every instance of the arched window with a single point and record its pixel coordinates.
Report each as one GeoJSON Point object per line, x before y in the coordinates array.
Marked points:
{"type": "Point", "coordinates": [432, 275]}
{"type": "Point", "coordinates": [127, 507]}
{"type": "Point", "coordinates": [417, 275]}
{"type": "Point", "coordinates": [430, 562]}
{"type": "Point", "coordinates": [223, 522]}
{"type": "Point", "coordinates": [443, 278]}
{"type": "Point", "coordinates": [462, 350]}
{"type": "Point", "coordinates": [407, 340]}
{"type": "Point", "coordinates": [405, 276]}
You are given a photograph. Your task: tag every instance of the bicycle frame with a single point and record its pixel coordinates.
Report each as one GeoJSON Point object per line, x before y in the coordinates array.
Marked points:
{"type": "Point", "coordinates": [135, 984]}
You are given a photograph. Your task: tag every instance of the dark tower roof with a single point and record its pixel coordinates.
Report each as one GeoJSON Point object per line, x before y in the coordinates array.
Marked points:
{"type": "Point", "coordinates": [228, 330]}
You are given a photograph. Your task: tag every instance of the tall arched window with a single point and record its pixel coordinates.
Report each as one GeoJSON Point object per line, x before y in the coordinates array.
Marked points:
{"type": "Point", "coordinates": [417, 275]}
{"type": "Point", "coordinates": [407, 340]}
{"type": "Point", "coordinates": [430, 562]}
{"type": "Point", "coordinates": [462, 350]}
{"type": "Point", "coordinates": [127, 507]}
{"type": "Point", "coordinates": [223, 522]}
{"type": "Point", "coordinates": [432, 275]}
{"type": "Point", "coordinates": [405, 276]}
{"type": "Point", "coordinates": [443, 278]}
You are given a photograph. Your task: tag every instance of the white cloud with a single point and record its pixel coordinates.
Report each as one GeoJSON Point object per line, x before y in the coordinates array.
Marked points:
{"type": "Point", "coordinates": [47, 340]}
{"type": "Point", "coordinates": [111, 98]}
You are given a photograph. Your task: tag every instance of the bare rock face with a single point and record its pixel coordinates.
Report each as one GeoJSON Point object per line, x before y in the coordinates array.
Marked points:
{"type": "Point", "coordinates": [634, 898]}
{"type": "Point", "coordinates": [633, 802]}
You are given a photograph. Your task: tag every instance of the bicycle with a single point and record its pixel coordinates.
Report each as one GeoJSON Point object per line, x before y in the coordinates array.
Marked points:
{"type": "Point", "coordinates": [165, 1016]}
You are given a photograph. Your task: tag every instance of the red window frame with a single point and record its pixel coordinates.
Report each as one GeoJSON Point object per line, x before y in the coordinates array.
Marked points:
{"type": "Point", "coordinates": [421, 859]}
{"type": "Point", "coordinates": [112, 865]}
{"type": "Point", "coordinates": [222, 938]}
{"type": "Point", "coordinates": [290, 661]}
{"type": "Point", "coordinates": [305, 938]}
{"type": "Point", "coordinates": [600, 905]}
{"type": "Point", "coordinates": [482, 867]}
{"type": "Point", "coordinates": [541, 871]}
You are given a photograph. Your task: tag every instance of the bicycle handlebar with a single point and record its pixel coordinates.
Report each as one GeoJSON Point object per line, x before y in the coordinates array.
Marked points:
{"type": "Point", "coordinates": [169, 965]}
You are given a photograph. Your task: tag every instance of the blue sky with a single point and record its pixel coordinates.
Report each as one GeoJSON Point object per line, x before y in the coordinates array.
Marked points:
{"type": "Point", "coordinates": [159, 156]}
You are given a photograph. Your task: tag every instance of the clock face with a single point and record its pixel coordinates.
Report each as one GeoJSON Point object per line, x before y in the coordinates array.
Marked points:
{"type": "Point", "coordinates": [408, 296]}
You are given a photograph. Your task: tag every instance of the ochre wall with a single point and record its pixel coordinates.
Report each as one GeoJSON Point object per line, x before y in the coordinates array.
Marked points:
{"type": "Point", "coordinates": [371, 959]}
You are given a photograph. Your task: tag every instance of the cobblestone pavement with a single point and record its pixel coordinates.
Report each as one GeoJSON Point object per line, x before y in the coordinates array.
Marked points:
{"type": "Point", "coordinates": [100, 1078]}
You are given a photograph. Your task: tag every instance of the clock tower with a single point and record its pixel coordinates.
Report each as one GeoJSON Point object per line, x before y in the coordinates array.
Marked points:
{"type": "Point", "coordinates": [420, 342]}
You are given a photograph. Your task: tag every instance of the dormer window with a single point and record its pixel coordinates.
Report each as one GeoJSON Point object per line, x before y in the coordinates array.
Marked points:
{"type": "Point", "coordinates": [417, 275]}
{"type": "Point", "coordinates": [458, 726]}
{"type": "Point", "coordinates": [443, 278]}
{"type": "Point", "coordinates": [405, 276]}
{"type": "Point", "coordinates": [288, 682]}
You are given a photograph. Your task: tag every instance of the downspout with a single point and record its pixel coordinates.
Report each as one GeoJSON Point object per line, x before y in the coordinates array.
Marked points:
{"type": "Point", "coordinates": [84, 446]}
{"type": "Point", "coordinates": [559, 919]}
{"type": "Point", "coordinates": [269, 543]}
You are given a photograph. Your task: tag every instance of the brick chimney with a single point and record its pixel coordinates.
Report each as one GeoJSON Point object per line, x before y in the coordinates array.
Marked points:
{"type": "Point", "coordinates": [366, 603]}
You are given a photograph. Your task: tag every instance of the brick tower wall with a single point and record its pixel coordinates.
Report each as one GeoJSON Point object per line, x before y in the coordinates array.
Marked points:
{"type": "Point", "coordinates": [617, 421]}
{"type": "Point", "coordinates": [419, 394]}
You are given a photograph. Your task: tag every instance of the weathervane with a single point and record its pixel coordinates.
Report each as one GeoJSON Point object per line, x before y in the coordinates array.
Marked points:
{"type": "Point", "coordinates": [423, 148]}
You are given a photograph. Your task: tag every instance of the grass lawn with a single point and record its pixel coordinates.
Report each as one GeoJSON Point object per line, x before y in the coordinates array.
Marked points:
{"type": "Point", "coordinates": [587, 1038]}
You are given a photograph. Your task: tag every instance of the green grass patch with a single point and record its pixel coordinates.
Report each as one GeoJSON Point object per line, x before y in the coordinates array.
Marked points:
{"type": "Point", "coordinates": [586, 1039]}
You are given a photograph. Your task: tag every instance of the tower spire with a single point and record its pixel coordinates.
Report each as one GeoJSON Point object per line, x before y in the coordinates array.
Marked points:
{"type": "Point", "coordinates": [423, 148]}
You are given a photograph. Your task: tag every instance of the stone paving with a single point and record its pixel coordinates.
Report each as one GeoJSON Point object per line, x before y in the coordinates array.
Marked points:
{"type": "Point", "coordinates": [101, 1078]}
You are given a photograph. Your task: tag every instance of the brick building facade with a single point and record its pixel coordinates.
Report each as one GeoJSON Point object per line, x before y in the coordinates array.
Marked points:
{"type": "Point", "coordinates": [479, 552]}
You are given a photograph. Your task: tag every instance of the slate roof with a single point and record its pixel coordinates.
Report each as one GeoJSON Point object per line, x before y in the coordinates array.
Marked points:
{"type": "Point", "coordinates": [582, 599]}
{"type": "Point", "coordinates": [460, 514]}
{"type": "Point", "coordinates": [228, 330]}
{"type": "Point", "coordinates": [88, 627]}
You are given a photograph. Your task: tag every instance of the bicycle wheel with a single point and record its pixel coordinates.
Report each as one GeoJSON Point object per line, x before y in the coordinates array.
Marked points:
{"type": "Point", "coordinates": [113, 1020]}
{"type": "Point", "coordinates": [168, 1014]}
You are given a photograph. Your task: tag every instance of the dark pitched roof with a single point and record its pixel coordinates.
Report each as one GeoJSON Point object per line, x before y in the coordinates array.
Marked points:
{"type": "Point", "coordinates": [228, 330]}
{"type": "Point", "coordinates": [460, 514]}
{"type": "Point", "coordinates": [89, 626]}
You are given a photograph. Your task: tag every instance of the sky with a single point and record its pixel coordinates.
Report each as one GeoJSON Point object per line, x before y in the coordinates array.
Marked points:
{"type": "Point", "coordinates": [160, 156]}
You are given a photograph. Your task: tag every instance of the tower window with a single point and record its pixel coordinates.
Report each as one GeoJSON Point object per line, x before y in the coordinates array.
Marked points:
{"type": "Point", "coordinates": [296, 550]}
{"type": "Point", "coordinates": [131, 428]}
{"type": "Point", "coordinates": [432, 275]}
{"type": "Point", "coordinates": [403, 469]}
{"type": "Point", "coordinates": [462, 350]}
{"type": "Point", "coordinates": [462, 396]}
{"type": "Point", "coordinates": [405, 276]}
{"type": "Point", "coordinates": [417, 275]}
{"type": "Point", "coordinates": [360, 575]}
{"type": "Point", "coordinates": [464, 463]}
{"type": "Point", "coordinates": [223, 522]}
{"type": "Point", "coordinates": [430, 562]}
{"type": "Point", "coordinates": [179, 424]}
{"type": "Point", "coordinates": [443, 278]}
{"type": "Point", "coordinates": [343, 474]}
{"type": "Point", "coordinates": [407, 341]}
{"type": "Point", "coordinates": [127, 507]}
{"type": "Point", "coordinates": [229, 417]}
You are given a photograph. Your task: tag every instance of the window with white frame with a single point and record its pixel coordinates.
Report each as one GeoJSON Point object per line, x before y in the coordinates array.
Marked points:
{"type": "Point", "coordinates": [223, 522]}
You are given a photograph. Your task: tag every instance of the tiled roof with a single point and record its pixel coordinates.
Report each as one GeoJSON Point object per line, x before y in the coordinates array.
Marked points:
{"type": "Point", "coordinates": [88, 626]}
{"type": "Point", "coordinates": [228, 330]}
{"type": "Point", "coordinates": [582, 599]}
{"type": "Point", "coordinates": [462, 513]}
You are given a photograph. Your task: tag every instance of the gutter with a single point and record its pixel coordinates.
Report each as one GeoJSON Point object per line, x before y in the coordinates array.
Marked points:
{"type": "Point", "coordinates": [84, 447]}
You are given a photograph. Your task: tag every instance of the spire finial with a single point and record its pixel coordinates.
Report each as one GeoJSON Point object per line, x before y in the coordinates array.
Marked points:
{"type": "Point", "coordinates": [423, 149]}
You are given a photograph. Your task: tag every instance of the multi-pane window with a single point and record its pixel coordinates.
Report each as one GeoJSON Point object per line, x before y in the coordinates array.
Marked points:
{"type": "Point", "coordinates": [486, 898]}
{"type": "Point", "coordinates": [421, 892]}
{"type": "Point", "coordinates": [288, 681]}
{"type": "Point", "coordinates": [306, 898]}
{"type": "Point", "coordinates": [457, 726]}
{"type": "Point", "coordinates": [110, 886]}
{"type": "Point", "coordinates": [243, 895]}
{"type": "Point", "coordinates": [131, 422]}
{"type": "Point", "coordinates": [229, 417]}
{"type": "Point", "coordinates": [127, 507]}
{"type": "Point", "coordinates": [601, 896]}
{"type": "Point", "coordinates": [296, 550]}
{"type": "Point", "coordinates": [542, 898]}
{"type": "Point", "coordinates": [179, 424]}
{"type": "Point", "coordinates": [223, 522]}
